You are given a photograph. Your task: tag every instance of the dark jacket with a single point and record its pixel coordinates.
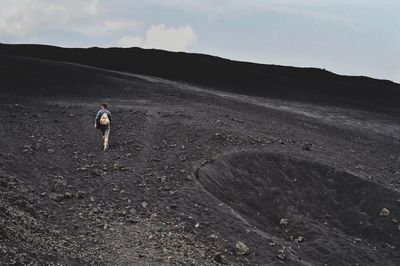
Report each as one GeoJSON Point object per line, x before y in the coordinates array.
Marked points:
{"type": "Point", "coordinates": [98, 116]}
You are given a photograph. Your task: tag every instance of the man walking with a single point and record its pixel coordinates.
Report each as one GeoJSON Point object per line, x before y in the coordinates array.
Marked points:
{"type": "Point", "coordinates": [103, 122]}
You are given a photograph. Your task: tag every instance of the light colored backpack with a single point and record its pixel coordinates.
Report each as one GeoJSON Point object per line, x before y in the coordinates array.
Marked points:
{"type": "Point", "coordinates": [104, 121]}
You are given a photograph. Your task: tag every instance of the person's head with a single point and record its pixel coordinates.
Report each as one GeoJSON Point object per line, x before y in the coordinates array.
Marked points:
{"type": "Point", "coordinates": [103, 106]}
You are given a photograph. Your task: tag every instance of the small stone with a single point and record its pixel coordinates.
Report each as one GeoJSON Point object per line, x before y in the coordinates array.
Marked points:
{"type": "Point", "coordinates": [384, 212]}
{"type": "Point", "coordinates": [133, 221]}
{"type": "Point", "coordinates": [299, 239]}
{"type": "Point", "coordinates": [80, 194]}
{"type": "Point", "coordinates": [281, 254]}
{"type": "Point", "coordinates": [241, 248]}
{"type": "Point", "coordinates": [213, 236]}
{"type": "Point", "coordinates": [283, 222]}
{"type": "Point", "coordinates": [68, 195]}
{"type": "Point", "coordinates": [219, 258]}
{"type": "Point", "coordinates": [307, 147]}
{"type": "Point", "coordinates": [117, 166]}
{"type": "Point", "coordinates": [56, 196]}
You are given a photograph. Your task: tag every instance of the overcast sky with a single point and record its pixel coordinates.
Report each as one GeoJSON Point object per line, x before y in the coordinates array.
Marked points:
{"type": "Point", "coordinates": [352, 37]}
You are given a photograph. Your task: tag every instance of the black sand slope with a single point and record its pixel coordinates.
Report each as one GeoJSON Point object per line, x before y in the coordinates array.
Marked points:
{"type": "Point", "coordinates": [265, 188]}
{"type": "Point", "coordinates": [191, 172]}
{"type": "Point", "coordinates": [288, 83]}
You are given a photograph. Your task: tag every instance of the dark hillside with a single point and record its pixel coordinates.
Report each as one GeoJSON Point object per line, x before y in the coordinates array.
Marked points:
{"type": "Point", "coordinates": [191, 177]}
{"type": "Point", "coordinates": [287, 83]}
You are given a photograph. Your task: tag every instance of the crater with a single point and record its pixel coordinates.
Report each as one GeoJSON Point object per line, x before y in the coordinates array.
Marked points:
{"type": "Point", "coordinates": [320, 203]}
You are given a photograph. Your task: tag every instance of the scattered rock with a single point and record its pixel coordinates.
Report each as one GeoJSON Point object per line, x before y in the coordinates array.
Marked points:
{"type": "Point", "coordinates": [68, 195]}
{"type": "Point", "coordinates": [283, 222]}
{"type": "Point", "coordinates": [384, 212]}
{"type": "Point", "coordinates": [299, 239]}
{"type": "Point", "coordinates": [56, 196]}
{"type": "Point", "coordinates": [219, 258]}
{"type": "Point", "coordinates": [213, 236]}
{"type": "Point", "coordinates": [281, 254]}
{"type": "Point", "coordinates": [133, 221]}
{"type": "Point", "coordinates": [307, 146]}
{"type": "Point", "coordinates": [117, 166]}
{"type": "Point", "coordinates": [241, 248]}
{"type": "Point", "coordinates": [80, 194]}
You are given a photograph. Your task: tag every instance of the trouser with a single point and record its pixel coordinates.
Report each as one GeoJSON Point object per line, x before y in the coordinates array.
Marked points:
{"type": "Point", "coordinates": [105, 131]}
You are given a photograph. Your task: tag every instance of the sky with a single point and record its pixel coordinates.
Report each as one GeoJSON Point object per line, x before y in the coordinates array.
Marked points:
{"type": "Point", "coordinates": [350, 37]}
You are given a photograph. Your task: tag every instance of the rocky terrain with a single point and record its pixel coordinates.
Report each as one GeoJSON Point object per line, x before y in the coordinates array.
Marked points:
{"type": "Point", "coordinates": [192, 177]}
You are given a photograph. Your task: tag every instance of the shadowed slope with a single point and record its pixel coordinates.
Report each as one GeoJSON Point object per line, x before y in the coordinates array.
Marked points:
{"type": "Point", "coordinates": [32, 77]}
{"type": "Point", "coordinates": [289, 83]}
{"type": "Point", "coordinates": [320, 204]}
{"type": "Point", "coordinates": [63, 200]}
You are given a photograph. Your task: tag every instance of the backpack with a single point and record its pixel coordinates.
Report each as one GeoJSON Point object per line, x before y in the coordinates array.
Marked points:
{"type": "Point", "coordinates": [104, 121]}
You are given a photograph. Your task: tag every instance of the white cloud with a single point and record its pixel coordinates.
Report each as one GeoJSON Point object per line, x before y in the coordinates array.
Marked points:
{"type": "Point", "coordinates": [130, 41]}
{"type": "Point", "coordinates": [19, 18]}
{"type": "Point", "coordinates": [107, 27]}
{"type": "Point", "coordinates": [162, 37]}
{"type": "Point", "coordinates": [316, 9]}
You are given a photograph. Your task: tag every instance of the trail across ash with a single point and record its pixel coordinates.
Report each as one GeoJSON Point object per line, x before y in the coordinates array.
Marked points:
{"type": "Point", "coordinates": [335, 116]}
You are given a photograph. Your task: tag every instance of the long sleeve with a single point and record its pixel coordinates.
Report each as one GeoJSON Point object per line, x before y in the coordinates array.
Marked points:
{"type": "Point", "coordinates": [97, 120]}
{"type": "Point", "coordinates": [109, 116]}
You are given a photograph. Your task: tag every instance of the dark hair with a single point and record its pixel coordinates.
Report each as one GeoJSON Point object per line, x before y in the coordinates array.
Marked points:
{"type": "Point", "coordinates": [104, 105]}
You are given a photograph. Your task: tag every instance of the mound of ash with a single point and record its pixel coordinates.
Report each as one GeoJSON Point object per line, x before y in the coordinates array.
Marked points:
{"type": "Point", "coordinates": [325, 211]}
{"type": "Point", "coordinates": [310, 85]}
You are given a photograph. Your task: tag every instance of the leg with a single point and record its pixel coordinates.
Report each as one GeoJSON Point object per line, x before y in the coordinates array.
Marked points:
{"type": "Point", "coordinates": [102, 137]}
{"type": "Point", "coordinates": [106, 136]}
